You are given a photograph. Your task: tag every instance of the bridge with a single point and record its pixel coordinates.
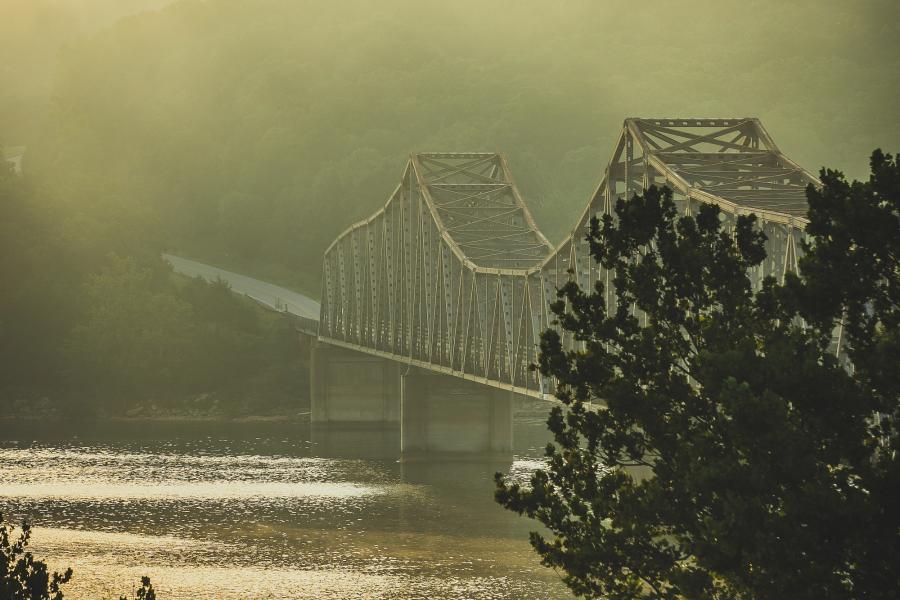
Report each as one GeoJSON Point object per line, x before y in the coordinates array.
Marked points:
{"type": "Point", "coordinates": [432, 307]}
{"type": "Point", "coordinates": [302, 310]}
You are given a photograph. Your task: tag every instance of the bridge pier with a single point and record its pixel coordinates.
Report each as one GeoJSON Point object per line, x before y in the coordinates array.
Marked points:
{"type": "Point", "coordinates": [437, 413]}
{"type": "Point", "coordinates": [352, 387]}
{"type": "Point", "coordinates": [444, 414]}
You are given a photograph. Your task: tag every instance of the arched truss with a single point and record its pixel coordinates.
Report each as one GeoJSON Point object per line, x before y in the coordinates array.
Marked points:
{"type": "Point", "coordinates": [453, 275]}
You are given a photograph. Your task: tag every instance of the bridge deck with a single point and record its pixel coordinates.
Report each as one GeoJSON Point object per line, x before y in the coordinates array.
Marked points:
{"type": "Point", "coordinates": [271, 296]}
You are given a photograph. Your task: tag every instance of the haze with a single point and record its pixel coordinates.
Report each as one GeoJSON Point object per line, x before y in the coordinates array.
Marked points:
{"type": "Point", "coordinates": [247, 135]}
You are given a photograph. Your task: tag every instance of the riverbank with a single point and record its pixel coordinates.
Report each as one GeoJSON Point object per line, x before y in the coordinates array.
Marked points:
{"type": "Point", "coordinates": [210, 407]}
{"type": "Point", "coordinates": [302, 417]}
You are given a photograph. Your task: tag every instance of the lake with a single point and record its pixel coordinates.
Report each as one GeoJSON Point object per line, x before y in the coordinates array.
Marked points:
{"type": "Point", "coordinates": [268, 511]}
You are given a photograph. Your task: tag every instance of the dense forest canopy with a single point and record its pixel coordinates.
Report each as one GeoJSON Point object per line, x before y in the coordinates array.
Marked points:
{"type": "Point", "coordinates": [249, 134]}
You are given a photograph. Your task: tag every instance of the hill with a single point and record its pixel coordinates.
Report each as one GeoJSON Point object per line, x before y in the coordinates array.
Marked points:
{"type": "Point", "coordinates": [256, 132]}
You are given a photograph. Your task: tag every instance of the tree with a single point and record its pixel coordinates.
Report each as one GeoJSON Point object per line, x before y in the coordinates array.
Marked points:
{"type": "Point", "coordinates": [851, 272]}
{"type": "Point", "coordinates": [134, 336]}
{"type": "Point", "coordinates": [145, 592]}
{"type": "Point", "coordinates": [734, 455]}
{"type": "Point", "coordinates": [21, 576]}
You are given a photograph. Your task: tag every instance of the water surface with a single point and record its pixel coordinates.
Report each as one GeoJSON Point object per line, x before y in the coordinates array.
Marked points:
{"type": "Point", "coordinates": [268, 511]}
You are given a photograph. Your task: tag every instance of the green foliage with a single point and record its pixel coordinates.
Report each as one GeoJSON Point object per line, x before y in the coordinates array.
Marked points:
{"type": "Point", "coordinates": [143, 334]}
{"type": "Point", "coordinates": [21, 576]}
{"type": "Point", "coordinates": [133, 336]}
{"type": "Point", "coordinates": [145, 592]}
{"type": "Point", "coordinates": [851, 270]}
{"type": "Point", "coordinates": [97, 321]}
{"type": "Point", "coordinates": [734, 456]}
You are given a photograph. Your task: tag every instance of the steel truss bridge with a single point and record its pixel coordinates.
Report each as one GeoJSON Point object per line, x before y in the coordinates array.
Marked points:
{"type": "Point", "coordinates": [453, 275]}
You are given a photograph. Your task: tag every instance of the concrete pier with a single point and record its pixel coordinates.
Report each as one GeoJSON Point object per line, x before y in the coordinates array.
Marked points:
{"type": "Point", "coordinates": [444, 414]}
{"type": "Point", "coordinates": [437, 413]}
{"type": "Point", "coordinates": [353, 387]}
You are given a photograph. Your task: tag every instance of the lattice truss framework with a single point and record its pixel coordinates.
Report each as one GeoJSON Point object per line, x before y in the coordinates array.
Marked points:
{"type": "Point", "coordinates": [453, 275]}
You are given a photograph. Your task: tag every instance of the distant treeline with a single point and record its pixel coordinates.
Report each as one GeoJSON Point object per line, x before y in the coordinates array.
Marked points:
{"type": "Point", "coordinates": [93, 321]}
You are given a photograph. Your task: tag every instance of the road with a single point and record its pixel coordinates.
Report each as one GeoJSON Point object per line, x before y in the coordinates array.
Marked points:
{"type": "Point", "coordinates": [267, 294]}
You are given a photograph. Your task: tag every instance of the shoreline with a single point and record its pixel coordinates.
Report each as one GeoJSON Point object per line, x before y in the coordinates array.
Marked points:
{"type": "Point", "coordinates": [56, 419]}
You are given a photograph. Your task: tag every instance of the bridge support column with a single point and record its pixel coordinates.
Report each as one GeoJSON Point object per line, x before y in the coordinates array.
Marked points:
{"type": "Point", "coordinates": [444, 414]}
{"type": "Point", "coordinates": [352, 387]}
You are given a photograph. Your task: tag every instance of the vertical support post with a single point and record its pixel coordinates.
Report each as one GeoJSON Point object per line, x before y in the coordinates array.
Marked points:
{"type": "Point", "coordinates": [501, 436]}
{"type": "Point", "coordinates": [318, 374]}
{"type": "Point", "coordinates": [413, 412]}
{"type": "Point", "coordinates": [450, 416]}
{"type": "Point", "coordinates": [629, 157]}
{"type": "Point", "coordinates": [352, 387]}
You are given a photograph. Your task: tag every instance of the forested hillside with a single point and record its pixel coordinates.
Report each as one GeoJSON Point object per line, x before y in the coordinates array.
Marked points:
{"type": "Point", "coordinates": [249, 134]}
{"type": "Point", "coordinates": [256, 131]}
{"type": "Point", "coordinates": [93, 322]}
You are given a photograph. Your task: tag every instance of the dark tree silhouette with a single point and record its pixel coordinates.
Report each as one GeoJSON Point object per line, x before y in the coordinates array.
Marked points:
{"type": "Point", "coordinates": [21, 576]}
{"type": "Point", "coordinates": [24, 578]}
{"type": "Point", "coordinates": [145, 592]}
{"type": "Point", "coordinates": [733, 456]}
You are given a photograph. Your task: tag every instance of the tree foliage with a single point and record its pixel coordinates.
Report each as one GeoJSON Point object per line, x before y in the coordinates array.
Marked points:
{"type": "Point", "coordinates": [93, 318]}
{"type": "Point", "coordinates": [22, 577]}
{"type": "Point", "coordinates": [734, 455]}
{"type": "Point", "coordinates": [851, 271]}
{"type": "Point", "coordinates": [145, 592]}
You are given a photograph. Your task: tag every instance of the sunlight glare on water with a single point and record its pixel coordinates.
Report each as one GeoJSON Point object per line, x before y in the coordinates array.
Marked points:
{"type": "Point", "coordinates": [271, 513]}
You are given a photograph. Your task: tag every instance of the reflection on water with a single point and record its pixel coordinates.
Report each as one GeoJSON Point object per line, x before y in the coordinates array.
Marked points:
{"type": "Point", "coordinates": [265, 511]}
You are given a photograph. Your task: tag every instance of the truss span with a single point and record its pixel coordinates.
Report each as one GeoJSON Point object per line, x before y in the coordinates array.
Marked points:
{"type": "Point", "coordinates": [453, 275]}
